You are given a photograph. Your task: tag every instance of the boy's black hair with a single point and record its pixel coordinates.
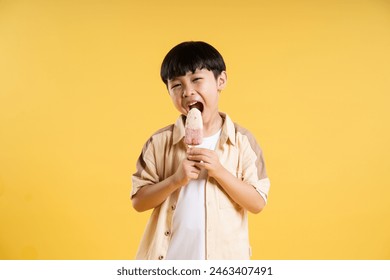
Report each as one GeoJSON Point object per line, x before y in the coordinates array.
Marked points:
{"type": "Point", "coordinates": [189, 56]}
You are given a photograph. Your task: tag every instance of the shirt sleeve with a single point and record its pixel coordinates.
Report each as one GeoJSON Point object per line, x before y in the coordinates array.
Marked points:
{"type": "Point", "coordinates": [146, 173]}
{"type": "Point", "coordinates": [254, 171]}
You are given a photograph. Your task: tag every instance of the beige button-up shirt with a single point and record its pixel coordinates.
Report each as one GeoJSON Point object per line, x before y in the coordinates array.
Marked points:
{"type": "Point", "coordinates": [226, 221]}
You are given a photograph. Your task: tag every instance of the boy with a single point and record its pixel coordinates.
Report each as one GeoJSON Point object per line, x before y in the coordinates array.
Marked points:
{"type": "Point", "coordinates": [200, 194]}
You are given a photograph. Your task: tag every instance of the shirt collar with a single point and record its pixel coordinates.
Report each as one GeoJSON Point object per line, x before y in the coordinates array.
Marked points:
{"type": "Point", "coordinates": [228, 130]}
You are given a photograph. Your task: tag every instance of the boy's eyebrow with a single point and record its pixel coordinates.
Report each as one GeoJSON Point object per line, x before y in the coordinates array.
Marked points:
{"type": "Point", "coordinates": [197, 71]}
{"type": "Point", "coordinates": [173, 80]}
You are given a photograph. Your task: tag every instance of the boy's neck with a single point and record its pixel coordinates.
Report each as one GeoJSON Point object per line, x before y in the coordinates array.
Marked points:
{"type": "Point", "coordinates": [213, 126]}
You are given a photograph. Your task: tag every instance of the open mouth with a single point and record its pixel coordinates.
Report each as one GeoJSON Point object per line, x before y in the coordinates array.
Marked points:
{"type": "Point", "coordinates": [197, 105]}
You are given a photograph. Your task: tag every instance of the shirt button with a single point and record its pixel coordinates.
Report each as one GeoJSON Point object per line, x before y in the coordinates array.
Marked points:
{"type": "Point", "coordinates": [160, 257]}
{"type": "Point", "coordinates": [173, 207]}
{"type": "Point", "coordinates": [167, 233]}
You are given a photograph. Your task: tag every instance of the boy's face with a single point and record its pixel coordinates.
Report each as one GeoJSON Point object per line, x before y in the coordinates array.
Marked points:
{"type": "Point", "coordinates": [200, 90]}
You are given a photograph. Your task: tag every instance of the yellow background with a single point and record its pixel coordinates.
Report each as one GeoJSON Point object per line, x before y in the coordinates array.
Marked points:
{"type": "Point", "coordinates": [80, 93]}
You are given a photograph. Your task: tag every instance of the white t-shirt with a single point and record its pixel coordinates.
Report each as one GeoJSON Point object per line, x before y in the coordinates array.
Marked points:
{"type": "Point", "coordinates": [188, 225]}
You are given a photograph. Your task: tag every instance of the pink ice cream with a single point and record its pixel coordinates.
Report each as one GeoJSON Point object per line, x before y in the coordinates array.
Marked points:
{"type": "Point", "coordinates": [194, 127]}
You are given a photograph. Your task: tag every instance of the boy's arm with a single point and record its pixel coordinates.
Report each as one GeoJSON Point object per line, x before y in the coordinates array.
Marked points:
{"type": "Point", "coordinates": [151, 196]}
{"type": "Point", "coordinates": [241, 192]}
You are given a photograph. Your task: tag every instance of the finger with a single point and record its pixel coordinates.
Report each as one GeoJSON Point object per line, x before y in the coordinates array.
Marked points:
{"type": "Point", "coordinates": [199, 158]}
{"type": "Point", "coordinates": [193, 167]}
{"type": "Point", "coordinates": [196, 168]}
{"type": "Point", "coordinates": [193, 163]}
{"type": "Point", "coordinates": [194, 175]}
{"type": "Point", "coordinates": [190, 162]}
{"type": "Point", "coordinates": [196, 171]}
{"type": "Point", "coordinates": [201, 165]}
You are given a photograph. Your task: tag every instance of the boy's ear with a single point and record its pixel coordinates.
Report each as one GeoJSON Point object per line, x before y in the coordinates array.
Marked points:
{"type": "Point", "coordinates": [222, 80]}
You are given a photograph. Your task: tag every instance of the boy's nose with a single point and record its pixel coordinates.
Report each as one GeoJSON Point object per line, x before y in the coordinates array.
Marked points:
{"type": "Point", "coordinates": [188, 91]}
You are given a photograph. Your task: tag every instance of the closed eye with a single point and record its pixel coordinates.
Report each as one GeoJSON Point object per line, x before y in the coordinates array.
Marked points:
{"type": "Point", "coordinates": [175, 86]}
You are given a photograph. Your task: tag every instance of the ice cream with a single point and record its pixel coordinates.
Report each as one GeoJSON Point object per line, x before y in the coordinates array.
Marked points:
{"type": "Point", "coordinates": [194, 127]}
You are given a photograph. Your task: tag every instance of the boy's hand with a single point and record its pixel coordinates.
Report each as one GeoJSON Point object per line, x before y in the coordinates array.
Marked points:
{"type": "Point", "coordinates": [187, 170]}
{"type": "Point", "coordinates": [206, 159]}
